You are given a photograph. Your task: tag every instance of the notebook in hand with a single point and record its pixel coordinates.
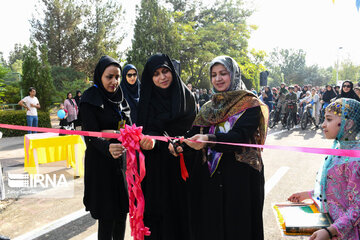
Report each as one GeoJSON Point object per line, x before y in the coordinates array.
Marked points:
{"type": "Point", "coordinates": [301, 219]}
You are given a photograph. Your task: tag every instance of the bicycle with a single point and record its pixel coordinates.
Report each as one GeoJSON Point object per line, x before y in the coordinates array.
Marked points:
{"type": "Point", "coordinates": [322, 112]}
{"type": "Point", "coordinates": [290, 116]}
{"type": "Point", "coordinates": [275, 116]}
{"type": "Point", "coordinates": [307, 117]}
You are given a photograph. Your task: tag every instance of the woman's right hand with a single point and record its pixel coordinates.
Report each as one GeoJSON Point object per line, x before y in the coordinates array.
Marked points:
{"type": "Point", "coordinates": [299, 197]}
{"type": "Point", "coordinates": [116, 150]}
{"type": "Point", "coordinates": [147, 143]}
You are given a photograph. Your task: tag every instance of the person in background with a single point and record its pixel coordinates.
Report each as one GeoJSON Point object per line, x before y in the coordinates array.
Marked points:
{"type": "Point", "coordinates": [328, 95]}
{"type": "Point", "coordinates": [316, 106]}
{"type": "Point", "coordinates": [63, 122]}
{"type": "Point", "coordinates": [166, 106]}
{"type": "Point", "coordinates": [31, 104]}
{"type": "Point", "coordinates": [303, 92]}
{"type": "Point", "coordinates": [347, 91]}
{"type": "Point", "coordinates": [104, 109]}
{"type": "Point", "coordinates": [72, 108]}
{"type": "Point", "coordinates": [337, 183]}
{"type": "Point", "coordinates": [77, 97]}
{"type": "Point", "coordinates": [130, 86]}
{"type": "Point", "coordinates": [337, 90]}
{"type": "Point", "coordinates": [268, 97]}
{"type": "Point", "coordinates": [357, 90]}
{"type": "Point", "coordinates": [204, 97]}
{"type": "Point", "coordinates": [190, 87]}
{"type": "Point", "coordinates": [227, 182]}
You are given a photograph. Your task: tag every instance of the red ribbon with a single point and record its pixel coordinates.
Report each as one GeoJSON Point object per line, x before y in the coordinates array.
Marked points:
{"type": "Point", "coordinates": [184, 172]}
{"type": "Point", "coordinates": [130, 138]}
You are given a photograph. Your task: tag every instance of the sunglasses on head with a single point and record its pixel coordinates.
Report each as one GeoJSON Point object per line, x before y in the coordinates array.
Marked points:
{"type": "Point", "coordinates": [346, 86]}
{"type": "Point", "coordinates": [129, 75]}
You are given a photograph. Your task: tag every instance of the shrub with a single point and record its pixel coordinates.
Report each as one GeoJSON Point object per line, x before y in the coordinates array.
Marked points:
{"type": "Point", "coordinates": [18, 117]}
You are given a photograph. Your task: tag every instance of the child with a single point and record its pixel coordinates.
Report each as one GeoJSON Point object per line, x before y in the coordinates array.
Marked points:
{"type": "Point", "coordinates": [63, 122]}
{"type": "Point", "coordinates": [337, 186]}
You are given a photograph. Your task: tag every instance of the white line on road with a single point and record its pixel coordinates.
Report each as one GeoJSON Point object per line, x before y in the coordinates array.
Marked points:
{"type": "Point", "coordinates": [52, 226]}
{"type": "Point", "coordinates": [275, 179]}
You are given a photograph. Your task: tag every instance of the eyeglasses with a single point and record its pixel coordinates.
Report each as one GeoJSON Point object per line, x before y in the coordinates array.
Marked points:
{"type": "Point", "coordinates": [346, 86]}
{"type": "Point", "coordinates": [129, 75]}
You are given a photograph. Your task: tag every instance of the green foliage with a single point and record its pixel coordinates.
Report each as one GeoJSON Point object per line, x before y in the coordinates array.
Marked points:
{"type": "Point", "coordinates": [349, 71]}
{"type": "Point", "coordinates": [103, 18]}
{"type": "Point", "coordinates": [59, 30]}
{"type": "Point", "coordinates": [3, 72]}
{"type": "Point", "coordinates": [18, 117]}
{"type": "Point", "coordinates": [37, 73]}
{"type": "Point", "coordinates": [61, 75]}
{"type": "Point", "coordinates": [12, 93]}
{"type": "Point", "coordinates": [154, 32]}
{"type": "Point", "coordinates": [16, 55]}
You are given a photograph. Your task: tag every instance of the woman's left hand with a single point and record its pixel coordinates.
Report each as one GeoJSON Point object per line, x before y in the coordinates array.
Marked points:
{"type": "Point", "coordinates": [116, 149]}
{"type": "Point", "coordinates": [147, 143]}
{"type": "Point", "coordinates": [196, 145]}
{"type": "Point", "coordinates": [321, 234]}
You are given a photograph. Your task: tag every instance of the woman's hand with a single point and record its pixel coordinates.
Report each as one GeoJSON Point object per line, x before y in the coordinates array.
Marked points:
{"type": "Point", "coordinates": [116, 150]}
{"type": "Point", "coordinates": [196, 145]}
{"type": "Point", "coordinates": [321, 234]}
{"type": "Point", "coordinates": [299, 197]}
{"type": "Point", "coordinates": [179, 149]}
{"type": "Point", "coordinates": [147, 143]}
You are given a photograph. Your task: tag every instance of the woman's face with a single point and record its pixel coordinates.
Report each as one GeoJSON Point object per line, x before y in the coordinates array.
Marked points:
{"type": "Point", "coordinates": [162, 77]}
{"type": "Point", "coordinates": [220, 78]}
{"type": "Point", "coordinates": [69, 96]}
{"type": "Point", "coordinates": [131, 76]}
{"type": "Point", "coordinates": [328, 88]}
{"type": "Point", "coordinates": [346, 87]}
{"type": "Point", "coordinates": [331, 125]}
{"type": "Point", "coordinates": [111, 78]}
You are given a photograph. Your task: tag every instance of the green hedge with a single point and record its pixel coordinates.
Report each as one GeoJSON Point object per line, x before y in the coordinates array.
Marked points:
{"type": "Point", "coordinates": [18, 117]}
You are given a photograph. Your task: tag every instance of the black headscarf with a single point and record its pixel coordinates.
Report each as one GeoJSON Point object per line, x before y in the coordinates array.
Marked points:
{"type": "Point", "coordinates": [172, 109]}
{"type": "Point", "coordinates": [77, 98]}
{"type": "Point", "coordinates": [96, 95]}
{"type": "Point", "coordinates": [328, 94]}
{"type": "Point", "coordinates": [350, 94]}
{"type": "Point", "coordinates": [131, 91]}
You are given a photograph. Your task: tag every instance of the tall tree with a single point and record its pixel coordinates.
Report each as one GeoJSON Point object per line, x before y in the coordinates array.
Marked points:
{"type": "Point", "coordinates": [154, 32]}
{"type": "Point", "coordinates": [102, 35]}
{"type": "Point", "coordinates": [59, 30]}
{"type": "Point", "coordinates": [286, 65]}
{"type": "Point", "coordinates": [16, 55]}
{"type": "Point", "coordinates": [3, 71]}
{"type": "Point", "coordinates": [36, 73]}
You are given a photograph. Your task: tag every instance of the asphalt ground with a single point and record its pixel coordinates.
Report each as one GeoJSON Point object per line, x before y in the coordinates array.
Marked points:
{"type": "Point", "coordinates": [285, 173]}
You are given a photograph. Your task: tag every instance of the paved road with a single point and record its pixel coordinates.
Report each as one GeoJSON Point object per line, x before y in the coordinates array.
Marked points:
{"type": "Point", "coordinates": [285, 173]}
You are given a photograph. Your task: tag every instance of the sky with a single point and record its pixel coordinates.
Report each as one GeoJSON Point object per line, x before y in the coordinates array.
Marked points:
{"type": "Point", "coordinates": [326, 31]}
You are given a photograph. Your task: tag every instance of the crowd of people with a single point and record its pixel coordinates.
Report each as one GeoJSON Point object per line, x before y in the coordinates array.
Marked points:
{"type": "Point", "coordinates": [223, 196]}
{"type": "Point", "coordinates": [314, 97]}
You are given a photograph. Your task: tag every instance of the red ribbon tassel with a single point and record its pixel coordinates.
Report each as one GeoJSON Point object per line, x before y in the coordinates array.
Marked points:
{"type": "Point", "coordinates": [184, 172]}
{"type": "Point", "coordinates": [130, 138]}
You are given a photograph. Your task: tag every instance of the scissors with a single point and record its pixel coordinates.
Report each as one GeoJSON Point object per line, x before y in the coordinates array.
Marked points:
{"type": "Point", "coordinates": [174, 143]}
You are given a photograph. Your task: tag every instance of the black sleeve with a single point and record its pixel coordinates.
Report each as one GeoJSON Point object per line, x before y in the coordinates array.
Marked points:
{"type": "Point", "coordinates": [90, 123]}
{"type": "Point", "coordinates": [242, 131]}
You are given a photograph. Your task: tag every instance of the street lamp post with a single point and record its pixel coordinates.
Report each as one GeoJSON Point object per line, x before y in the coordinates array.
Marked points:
{"type": "Point", "coordinates": [337, 65]}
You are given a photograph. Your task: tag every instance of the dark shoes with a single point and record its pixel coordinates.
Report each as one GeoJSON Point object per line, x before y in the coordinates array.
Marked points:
{"type": "Point", "coordinates": [4, 238]}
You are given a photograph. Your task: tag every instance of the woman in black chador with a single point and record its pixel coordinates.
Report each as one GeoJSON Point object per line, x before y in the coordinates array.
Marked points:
{"type": "Point", "coordinates": [227, 182]}
{"type": "Point", "coordinates": [103, 108]}
{"type": "Point", "coordinates": [165, 104]}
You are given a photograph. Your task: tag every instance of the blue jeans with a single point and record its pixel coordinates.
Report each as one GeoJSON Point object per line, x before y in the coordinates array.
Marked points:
{"type": "Point", "coordinates": [32, 121]}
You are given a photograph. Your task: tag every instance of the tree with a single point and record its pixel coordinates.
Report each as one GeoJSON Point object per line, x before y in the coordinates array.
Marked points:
{"type": "Point", "coordinates": [60, 31]}
{"type": "Point", "coordinates": [101, 35]}
{"type": "Point", "coordinates": [16, 55]}
{"type": "Point", "coordinates": [36, 73]}
{"type": "Point", "coordinates": [154, 32]}
{"type": "Point", "coordinates": [3, 71]}
{"type": "Point", "coordinates": [286, 65]}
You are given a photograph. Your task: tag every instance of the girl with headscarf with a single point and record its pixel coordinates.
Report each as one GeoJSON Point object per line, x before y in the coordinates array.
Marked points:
{"type": "Point", "coordinates": [103, 108]}
{"type": "Point", "coordinates": [72, 109]}
{"type": "Point", "coordinates": [130, 86]}
{"type": "Point", "coordinates": [166, 106]}
{"type": "Point", "coordinates": [227, 182]}
{"type": "Point", "coordinates": [337, 183]}
{"type": "Point", "coordinates": [268, 97]}
{"type": "Point", "coordinates": [347, 91]}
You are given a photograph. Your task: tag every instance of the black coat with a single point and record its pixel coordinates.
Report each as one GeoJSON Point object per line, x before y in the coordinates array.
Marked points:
{"type": "Point", "coordinates": [229, 204]}
{"type": "Point", "coordinates": [105, 193]}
